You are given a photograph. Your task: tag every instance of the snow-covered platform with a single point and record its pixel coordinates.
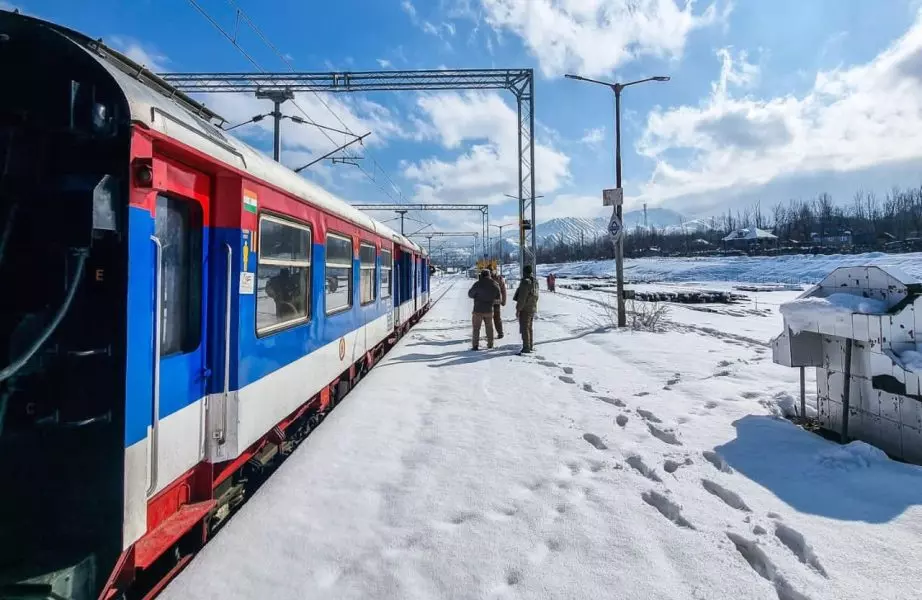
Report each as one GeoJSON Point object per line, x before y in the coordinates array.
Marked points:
{"type": "Point", "coordinates": [611, 464]}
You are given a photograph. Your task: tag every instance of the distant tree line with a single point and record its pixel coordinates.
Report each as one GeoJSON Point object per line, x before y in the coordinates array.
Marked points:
{"type": "Point", "coordinates": [867, 223]}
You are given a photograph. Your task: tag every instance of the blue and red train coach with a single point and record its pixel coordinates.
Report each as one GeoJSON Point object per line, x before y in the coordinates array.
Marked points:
{"type": "Point", "coordinates": [178, 311]}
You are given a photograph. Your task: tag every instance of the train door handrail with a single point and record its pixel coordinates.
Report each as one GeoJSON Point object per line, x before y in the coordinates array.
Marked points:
{"type": "Point", "coordinates": [155, 408]}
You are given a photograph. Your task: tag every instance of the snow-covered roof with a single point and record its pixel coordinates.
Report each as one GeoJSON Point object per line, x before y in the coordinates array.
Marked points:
{"type": "Point", "coordinates": [750, 233]}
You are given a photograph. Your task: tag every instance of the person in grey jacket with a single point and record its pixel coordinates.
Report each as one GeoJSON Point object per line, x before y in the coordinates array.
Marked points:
{"type": "Point", "coordinates": [484, 293]}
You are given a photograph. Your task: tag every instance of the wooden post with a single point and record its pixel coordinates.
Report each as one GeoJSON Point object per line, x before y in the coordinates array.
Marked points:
{"type": "Point", "coordinates": [846, 393]}
{"type": "Point", "coordinates": [803, 395]}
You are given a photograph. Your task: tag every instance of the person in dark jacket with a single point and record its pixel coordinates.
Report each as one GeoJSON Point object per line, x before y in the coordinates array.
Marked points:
{"type": "Point", "coordinates": [499, 304]}
{"type": "Point", "coordinates": [484, 293]}
{"type": "Point", "coordinates": [526, 305]}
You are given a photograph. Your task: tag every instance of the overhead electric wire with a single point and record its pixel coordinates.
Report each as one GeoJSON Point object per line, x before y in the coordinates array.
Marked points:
{"type": "Point", "coordinates": [242, 13]}
{"type": "Point", "coordinates": [233, 40]}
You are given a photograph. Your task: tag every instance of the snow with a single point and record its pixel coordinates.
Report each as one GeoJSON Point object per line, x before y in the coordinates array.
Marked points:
{"type": "Point", "coordinates": [803, 313]}
{"type": "Point", "coordinates": [611, 464]}
{"type": "Point", "coordinates": [912, 359]}
{"type": "Point", "coordinates": [797, 268]}
{"type": "Point", "coordinates": [753, 233]}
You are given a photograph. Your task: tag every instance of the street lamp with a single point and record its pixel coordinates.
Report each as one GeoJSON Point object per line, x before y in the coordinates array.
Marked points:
{"type": "Point", "coordinates": [619, 246]}
{"type": "Point", "coordinates": [502, 254]}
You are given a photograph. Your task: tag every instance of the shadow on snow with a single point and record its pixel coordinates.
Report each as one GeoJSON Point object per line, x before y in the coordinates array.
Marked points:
{"type": "Point", "coordinates": [458, 357]}
{"type": "Point", "coordinates": [820, 477]}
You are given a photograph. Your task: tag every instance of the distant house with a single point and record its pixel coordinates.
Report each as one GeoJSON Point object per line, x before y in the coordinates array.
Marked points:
{"type": "Point", "coordinates": [751, 236]}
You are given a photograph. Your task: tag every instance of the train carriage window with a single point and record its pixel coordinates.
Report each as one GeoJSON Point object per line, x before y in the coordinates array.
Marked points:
{"type": "Point", "coordinates": [387, 265]}
{"type": "Point", "coordinates": [283, 274]}
{"type": "Point", "coordinates": [367, 259]}
{"type": "Point", "coordinates": [338, 273]}
{"type": "Point", "coordinates": [178, 226]}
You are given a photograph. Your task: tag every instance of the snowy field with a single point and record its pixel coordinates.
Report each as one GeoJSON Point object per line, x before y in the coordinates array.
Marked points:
{"type": "Point", "coordinates": [611, 464]}
{"type": "Point", "coordinates": [799, 268]}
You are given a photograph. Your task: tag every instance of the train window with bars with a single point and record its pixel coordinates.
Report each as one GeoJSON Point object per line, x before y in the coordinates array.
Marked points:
{"type": "Point", "coordinates": [367, 267]}
{"type": "Point", "coordinates": [178, 227]}
{"type": "Point", "coordinates": [387, 265]}
{"type": "Point", "coordinates": [283, 274]}
{"type": "Point", "coordinates": [338, 273]}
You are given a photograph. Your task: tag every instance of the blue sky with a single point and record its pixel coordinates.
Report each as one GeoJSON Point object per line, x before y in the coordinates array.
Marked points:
{"type": "Point", "coordinates": [768, 100]}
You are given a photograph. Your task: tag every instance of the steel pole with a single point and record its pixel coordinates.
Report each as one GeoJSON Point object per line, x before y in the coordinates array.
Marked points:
{"type": "Point", "coordinates": [531, 176]}
{"type": "Point", "coordinates": [619, 246]}
{"type": "Point", "coordinates": [277, 137]}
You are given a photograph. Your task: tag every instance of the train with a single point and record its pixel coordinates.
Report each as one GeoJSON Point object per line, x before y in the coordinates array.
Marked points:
{"type": "Point", "coordinates": [178, 312]}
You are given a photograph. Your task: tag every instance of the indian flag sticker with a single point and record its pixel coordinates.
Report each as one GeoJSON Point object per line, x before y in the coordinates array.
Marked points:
{"type": "Point", "coordinates": [249, 201]}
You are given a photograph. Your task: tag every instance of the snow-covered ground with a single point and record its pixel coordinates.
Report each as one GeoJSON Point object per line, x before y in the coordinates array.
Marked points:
{"type": "Point", "coordinates": [799, 268]}
{"type": "Point", "coordinates": [611, 464]}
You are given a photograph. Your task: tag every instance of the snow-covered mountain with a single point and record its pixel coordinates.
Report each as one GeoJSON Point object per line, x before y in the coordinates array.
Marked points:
{"type": "Point", "coordinates": [571, 230]}
{"type": "Point", "coordinates": [660, 218]}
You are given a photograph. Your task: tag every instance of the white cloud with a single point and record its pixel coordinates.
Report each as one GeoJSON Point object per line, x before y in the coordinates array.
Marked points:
{"type": "Point", "coordinates": [408, 7]}
{"type": "Point", "coordinates": [594, 135]}
{"type": "Point", "coordinates": [853, 118]}
{"type": "Point", "coordinates": [385, 64]}
{"type": "Point", "coordinates": [571, 205]}
{"type": "Point", "coordinates": [488, 167]}
{"type": "Point", "coordinates": [147, 57]}
{"type": "Point", "coordinates": [594, 37]}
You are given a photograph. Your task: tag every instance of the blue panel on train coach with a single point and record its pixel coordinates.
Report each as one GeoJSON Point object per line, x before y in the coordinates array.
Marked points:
{"type": "Point", "coordinates": [261, 355]}
{"type": "Point", "coordinates": [184, 378]}
{"type": "Point", "coordinates": [140, 345]}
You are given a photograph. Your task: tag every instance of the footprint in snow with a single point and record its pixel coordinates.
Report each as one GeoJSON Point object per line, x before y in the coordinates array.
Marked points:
{"type": "Point", "coordinates": [797, 544]}
{"type": "Point", "coordinates": [671, 466]}
{"type": "Point", "coordinates": [613, 401]}
{"type": "Point", "coordinates": [595, 440]}
{"type": "Point", "coordinates": [588, 388]}
{"type": "Point", "coordinates": [621, 420]}
{"type": "Point", "coordinates": [637, 463]}
{"type": "Point", "coordinates": [547, 363]}
{"type": "Point", "coordinates": [724, 363]}
{"type": "Point", "coordinates": [750, 395]}
{"type": "Point", "coordinates": [762, 564]}
{"type": "Point", "coordinates": [640, 394]}
{"type": "Point", "coordinates": [663, 435]}
{"type": "Point", "coordinates": [711, 404]}
{"type": "Point", "coordinates": [567, 370]}
{"type": "Point", "coordinates": [717, 461]}
{"type": "Point", "coordinates": [566, 379]}
{"type": "Point", "coordinates": [666, 507]}
{"type": "Point", "coordinates": [675, 379]}
{"type": "Point", "coordinates": [729, 497]}
{"type": "Point", "coordinates": [649, 416]}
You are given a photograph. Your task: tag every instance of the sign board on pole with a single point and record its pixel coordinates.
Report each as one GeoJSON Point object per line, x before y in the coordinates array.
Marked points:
{"type": "Point", "coordinates": [613, 197]}
{"type": "Point", "coordinates": [614, 227]}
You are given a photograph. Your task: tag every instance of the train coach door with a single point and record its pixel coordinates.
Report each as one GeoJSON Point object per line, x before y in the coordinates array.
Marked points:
{"type": "Point", "coordinates": [397, 287]}
{"type": "Point", "coordinates": [181, 376]}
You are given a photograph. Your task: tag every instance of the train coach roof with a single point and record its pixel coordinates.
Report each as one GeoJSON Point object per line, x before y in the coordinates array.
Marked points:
{"type": "Point", "coordinates": [156, 104]}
